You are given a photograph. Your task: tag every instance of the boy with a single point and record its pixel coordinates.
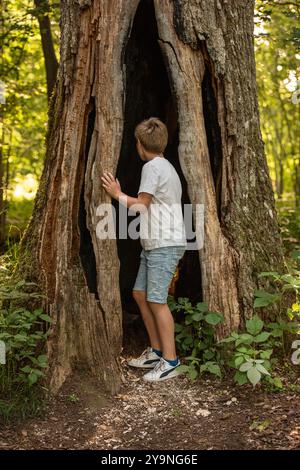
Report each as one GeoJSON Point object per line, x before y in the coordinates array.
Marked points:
{"type": "Point", "coordinates": [162, 236]}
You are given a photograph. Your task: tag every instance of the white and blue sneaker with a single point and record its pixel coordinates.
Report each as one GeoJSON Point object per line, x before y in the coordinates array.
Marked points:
{"type": "Point", "coordinates": [147, 360]}
{"type": "Point", "coordinates": [162, 371]}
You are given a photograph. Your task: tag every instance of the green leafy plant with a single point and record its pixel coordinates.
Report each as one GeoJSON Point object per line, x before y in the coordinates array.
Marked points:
{"type": "Point", "coordinates": [73, 398]}
{"type": "Point", "coordinates": [250, 352]}
{"type": "Point", "coordinates": [289, 222]}
{"type": "Point", "coordinates": [253, 352]}
{"type": "Point", "coordinates": [286, 282]}
{"type": "Point", "coordinates": [23, 332]}
{"type": "Point", "coordinates": [195, 337]}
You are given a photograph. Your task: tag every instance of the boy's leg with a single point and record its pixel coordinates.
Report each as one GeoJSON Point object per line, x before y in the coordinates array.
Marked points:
{"type": "Point", "coordinates": [148, 319]}
{"type": "Point", "coordinates": [161, 266]}
{"type": "Point", "coordinates": [139, 294]}
{"type": "Point", "coordinates": [165, 323]}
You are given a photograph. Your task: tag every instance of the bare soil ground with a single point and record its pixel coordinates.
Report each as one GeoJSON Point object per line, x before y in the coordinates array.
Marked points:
{"type": "Point", "coordinates": [175, 414]}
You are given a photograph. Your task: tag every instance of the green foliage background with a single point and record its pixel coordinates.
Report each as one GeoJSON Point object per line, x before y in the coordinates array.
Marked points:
{"type": "Point", "coordinates": [277, 52]}
{"type": "Point", "coordinates": [24, 115]}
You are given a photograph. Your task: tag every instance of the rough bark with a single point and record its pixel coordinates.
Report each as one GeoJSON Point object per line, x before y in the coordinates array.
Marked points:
{"type": "Point", "coordinates": [212, 115]}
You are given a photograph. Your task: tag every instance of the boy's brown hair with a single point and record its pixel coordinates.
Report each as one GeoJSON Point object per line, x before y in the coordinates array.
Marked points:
{"type": "Point", "coordinates": [153, 134]}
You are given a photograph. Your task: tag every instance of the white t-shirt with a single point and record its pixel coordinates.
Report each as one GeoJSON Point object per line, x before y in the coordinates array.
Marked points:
{"type": "Point", "coordinates": [162, 224]}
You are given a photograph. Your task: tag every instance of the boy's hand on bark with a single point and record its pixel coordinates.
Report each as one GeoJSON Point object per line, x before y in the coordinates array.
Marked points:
{"type": "Point", "coordinates": [111, 185]}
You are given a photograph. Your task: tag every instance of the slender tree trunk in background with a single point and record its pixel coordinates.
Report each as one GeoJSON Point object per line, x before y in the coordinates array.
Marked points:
{"type": "Point", "coordinates": [4, 181]}
{"type": "Point", "coordinates": [2, 202]}
{"type": "Point", "coordinates": [277, 173]}
{"type": "Point", "coordinates": [281, 159]}
{"type": "Point", "coordinates": [192, 65]}
{"type": "Point", "coordinates": [297, 180]}
{"type": "Point", "coordinates": [51, 64]}
{"type": "Point", "coordinates": [297, 169]}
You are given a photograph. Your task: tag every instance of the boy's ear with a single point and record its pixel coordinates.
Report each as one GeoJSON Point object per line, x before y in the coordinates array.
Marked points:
{"type": "Point", "coordinates": [138, 142]}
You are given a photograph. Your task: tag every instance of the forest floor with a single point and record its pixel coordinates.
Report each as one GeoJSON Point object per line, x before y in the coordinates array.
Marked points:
{"type": "Point", "coordinates": [172, 415]}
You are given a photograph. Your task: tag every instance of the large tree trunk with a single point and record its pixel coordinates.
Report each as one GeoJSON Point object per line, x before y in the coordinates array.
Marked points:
{"type": "Point", "coordinates": [191, 63]}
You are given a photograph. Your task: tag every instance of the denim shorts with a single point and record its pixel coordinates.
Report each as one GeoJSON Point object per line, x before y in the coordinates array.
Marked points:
{"type": "Point", "coordinates": [156, 270]}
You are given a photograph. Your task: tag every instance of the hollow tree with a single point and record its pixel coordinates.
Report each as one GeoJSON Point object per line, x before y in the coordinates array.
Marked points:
{"type": "Point", "coordinates": [191, 63]}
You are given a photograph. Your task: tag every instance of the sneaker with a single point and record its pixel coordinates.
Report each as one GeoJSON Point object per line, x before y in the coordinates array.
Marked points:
{"type": "Point", "coordinates": [147, 360]}
{"type": "Point", "coordinates": [162, 371]}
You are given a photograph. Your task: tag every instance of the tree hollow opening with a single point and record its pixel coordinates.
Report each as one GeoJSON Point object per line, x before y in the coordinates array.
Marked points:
{"type": "Point", "coordinates": [86, 249]}
{"type": "Point", "coordinates": [148, 93]}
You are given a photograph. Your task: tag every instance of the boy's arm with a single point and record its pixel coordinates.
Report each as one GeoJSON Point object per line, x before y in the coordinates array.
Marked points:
{"type": "Point", "coordinates": [113, 188]}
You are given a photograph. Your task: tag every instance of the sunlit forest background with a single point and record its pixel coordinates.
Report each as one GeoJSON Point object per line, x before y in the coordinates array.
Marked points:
{"type": "Point", "coordinates": [24, 103]}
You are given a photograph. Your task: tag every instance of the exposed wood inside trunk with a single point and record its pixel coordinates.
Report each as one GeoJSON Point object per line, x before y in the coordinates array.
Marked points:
{"type": "Point", "coordinates": [148, 93]}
